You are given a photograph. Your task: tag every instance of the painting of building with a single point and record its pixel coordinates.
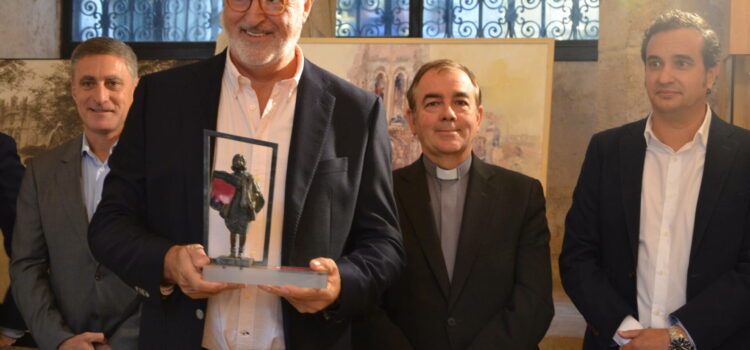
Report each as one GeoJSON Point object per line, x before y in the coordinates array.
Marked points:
{"type": "Point", "coordinates": [515, 78]}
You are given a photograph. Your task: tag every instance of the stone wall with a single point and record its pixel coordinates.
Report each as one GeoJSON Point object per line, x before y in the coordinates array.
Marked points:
{"type": "Point", "coordinates": [592, 96]}
{"type": "Point", "coordinates": [30, 28]}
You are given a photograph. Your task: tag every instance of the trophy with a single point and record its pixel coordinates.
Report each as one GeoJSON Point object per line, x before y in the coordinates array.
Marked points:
{"type": "Point", "coordinates": [238, 209]}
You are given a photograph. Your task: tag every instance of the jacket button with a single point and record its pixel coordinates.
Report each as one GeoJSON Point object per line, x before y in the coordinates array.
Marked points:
{"type": "Point", "coordinates": [593, 329]}
{"type": "Point", "coordinates": [451, 321]}
{"type": "Point", "coordinates": [199, 314]}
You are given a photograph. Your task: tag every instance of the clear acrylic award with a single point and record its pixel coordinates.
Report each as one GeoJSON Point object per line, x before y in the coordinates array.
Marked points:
{"type": "Point", "coordinates": [238, 178]}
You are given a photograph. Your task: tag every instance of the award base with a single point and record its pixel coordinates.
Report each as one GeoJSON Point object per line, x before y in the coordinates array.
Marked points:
{"type": "Point", "coordinates": [271, 276]}
{"type": "Point", "coordinates": [232, 261]}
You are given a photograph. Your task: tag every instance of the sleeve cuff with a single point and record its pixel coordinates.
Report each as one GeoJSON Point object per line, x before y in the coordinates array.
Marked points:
{"type": "Point", "coordinates": [676, 322]}
{"type": "Point", "coordinates": [628, 324]}
{"type": "Point", "coordinates": [12, 333]}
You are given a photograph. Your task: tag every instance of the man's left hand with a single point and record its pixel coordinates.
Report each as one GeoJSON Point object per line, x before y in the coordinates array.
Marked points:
{"type": "Point", "coordinates": [312, 300]}
{"type": "Point", "coordinates": [6, 342]}
{"type": "Point", "coordinates": [646, 339]}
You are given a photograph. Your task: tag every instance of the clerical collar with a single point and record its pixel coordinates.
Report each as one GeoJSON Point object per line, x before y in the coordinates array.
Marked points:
{"type": "Point", "coordinates": [447, 174]}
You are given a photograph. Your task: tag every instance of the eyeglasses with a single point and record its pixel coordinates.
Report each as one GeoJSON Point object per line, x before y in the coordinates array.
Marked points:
{"type": "Point", "coordinates": [269, 7]}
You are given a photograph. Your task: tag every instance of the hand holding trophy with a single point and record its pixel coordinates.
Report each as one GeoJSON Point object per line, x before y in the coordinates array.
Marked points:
{"type": "Point", "coordinates": [242, 196]}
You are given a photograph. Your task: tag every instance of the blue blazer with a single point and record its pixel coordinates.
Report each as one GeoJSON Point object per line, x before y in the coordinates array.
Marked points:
{"type": "Point", "coordinates": [338, 200]}
{"type": "Point", "coordinates": [11, 173]}
{"type": "Point", "coordinates": [600, 248]}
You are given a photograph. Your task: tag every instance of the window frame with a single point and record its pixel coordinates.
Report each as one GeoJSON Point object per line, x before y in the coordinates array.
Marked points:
{"type": "Point", "coordinates": [565, 50]}
{"type": "Point", "coordinates": [144, 50]}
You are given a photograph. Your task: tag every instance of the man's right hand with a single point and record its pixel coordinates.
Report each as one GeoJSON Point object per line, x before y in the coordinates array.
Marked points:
{"type": "Point", "coordinates": [6, 342]}
{"type": "Point", "coordinates": [183, 265]}
{"type": "Point", "coordinates": [83, 341]}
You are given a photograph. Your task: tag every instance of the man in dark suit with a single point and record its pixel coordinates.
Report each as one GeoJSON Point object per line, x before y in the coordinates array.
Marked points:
{"type": "Point", "coordinates": [476, 237]}
{"type": "Point", "coordinates": [656, 252]}
{"type": "Point", "coordinates": [69, 300]}
{"type": "Point", "coordinates": [12, 326]}
{"type": "Point", "coordinates": [334, 211]}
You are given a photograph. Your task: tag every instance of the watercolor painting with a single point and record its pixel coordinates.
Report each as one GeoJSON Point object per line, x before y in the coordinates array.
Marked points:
{"type": "Point", "coordinates": [515, 77]}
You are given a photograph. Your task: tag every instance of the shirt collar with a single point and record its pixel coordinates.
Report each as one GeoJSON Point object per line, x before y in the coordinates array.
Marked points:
{"type": "Point", "coordinates": [235, 79]}
{"type": "Point", "coordinates": [86, 149]}
{"type": "Point", "coordinates": [701, 135]}
{"type": "Point", "coordinates": [446, 174]}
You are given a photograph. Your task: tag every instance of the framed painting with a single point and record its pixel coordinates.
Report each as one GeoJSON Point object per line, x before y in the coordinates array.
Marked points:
{"type": "Point", "coordinates": [36, 107]}
{"type": "Point", "coordinates": [515, 77]}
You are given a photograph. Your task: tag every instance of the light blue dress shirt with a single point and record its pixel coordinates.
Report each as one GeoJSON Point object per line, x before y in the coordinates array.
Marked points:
{"type": "Point", "coordinates": [93, 172]}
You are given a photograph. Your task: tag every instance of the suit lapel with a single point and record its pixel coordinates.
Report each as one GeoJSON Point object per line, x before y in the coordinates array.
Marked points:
{"type": "Point", "coordinates": [197, 117]}
{"type": "Point", "coordinates": [204, 111]}
{"type": "Point", "coordinates": [312, 118]}
{"type": "Point", "coordinates": [69, 183]}
{"type": "Point", "coordinates": [212, 90]}
{"type": "Point", "coordinates": [632, 155]}
{"type": "Point", "coordinates": [414, 195]}
{"type": "Point", "coordinates": [480, 206]}
{"type": "Point", "coordinates": [720, 154]}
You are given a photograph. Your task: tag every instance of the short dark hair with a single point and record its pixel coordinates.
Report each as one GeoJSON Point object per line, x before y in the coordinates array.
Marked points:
{"type": "Point", "coordinates": [441, 65]}
{"type": "Point", "coordinates": [105, 46]}
{"type": "Point", "coordinates": [677, 19]}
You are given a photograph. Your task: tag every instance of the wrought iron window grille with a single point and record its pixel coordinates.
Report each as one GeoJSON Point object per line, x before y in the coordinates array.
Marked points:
{"type": "Point", "coordinates": [154, 28]}
{"type": "Point", "coordinates": [573, 23]}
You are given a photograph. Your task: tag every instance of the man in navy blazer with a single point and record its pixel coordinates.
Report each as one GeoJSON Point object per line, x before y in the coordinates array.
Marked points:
{"type": "Point", "coordinates": [656, 253]}
{"type": "Point", "coordinates": [339, 214]}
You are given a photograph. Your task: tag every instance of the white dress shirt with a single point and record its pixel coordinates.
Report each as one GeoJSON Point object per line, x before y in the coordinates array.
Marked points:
{"type": "Point", "coordinates": [669, 197]}
{"type": "Point", "coordinates": [250, 318]}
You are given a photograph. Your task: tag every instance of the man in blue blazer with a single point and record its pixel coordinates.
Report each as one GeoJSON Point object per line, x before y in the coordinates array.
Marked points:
{"type": "Point", "coordinates": [339, 214]}
{"type": "Point", "coordinates": [656, 253]}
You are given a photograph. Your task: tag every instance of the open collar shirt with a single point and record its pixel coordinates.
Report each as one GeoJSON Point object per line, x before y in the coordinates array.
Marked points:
{"type": "Point", "coordinates": [669, 198]}
{"type": "Point", "coordinates": [93, 173]}
{"type": "Point", "coordinates": [249, 318]}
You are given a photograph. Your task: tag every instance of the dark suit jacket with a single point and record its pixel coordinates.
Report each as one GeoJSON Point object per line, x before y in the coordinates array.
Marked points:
{"type": "Point", "coordinates": [338, 200]}
{"type": "Point", "coordinates": [11, 173]}
{"type": "Point", "coordinates": [598, 261]}
{"type": "Point", "coordinates": [501, 293]}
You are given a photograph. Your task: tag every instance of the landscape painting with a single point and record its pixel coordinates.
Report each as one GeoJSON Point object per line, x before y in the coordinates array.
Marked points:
{"type": "Point", "coordinates": [36, 108]}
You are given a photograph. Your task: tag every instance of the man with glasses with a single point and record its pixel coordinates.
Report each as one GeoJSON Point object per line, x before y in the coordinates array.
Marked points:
{"type": "Point", "coordinates": [333, 204]}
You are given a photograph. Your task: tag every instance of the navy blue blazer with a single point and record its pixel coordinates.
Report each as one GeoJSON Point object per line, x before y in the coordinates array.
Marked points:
{"type": "Point", "coordinates": [599, 256]}
{"type": "Point", "coordinates": [11, 173]}
{"type": "Point", "coordinates": [338, 200]}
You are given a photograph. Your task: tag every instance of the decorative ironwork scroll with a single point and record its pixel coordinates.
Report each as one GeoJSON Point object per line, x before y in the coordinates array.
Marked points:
{"type": "Point", "coordinates": [372, 18]}
{"type": "Point", "coordinates": [147, 20]}
{"type": "Point", "coordinates": [558, 19]}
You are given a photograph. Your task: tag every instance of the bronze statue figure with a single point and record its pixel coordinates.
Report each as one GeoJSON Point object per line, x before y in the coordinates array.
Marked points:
{"type": "Point", "coordinates": [246, 201]}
